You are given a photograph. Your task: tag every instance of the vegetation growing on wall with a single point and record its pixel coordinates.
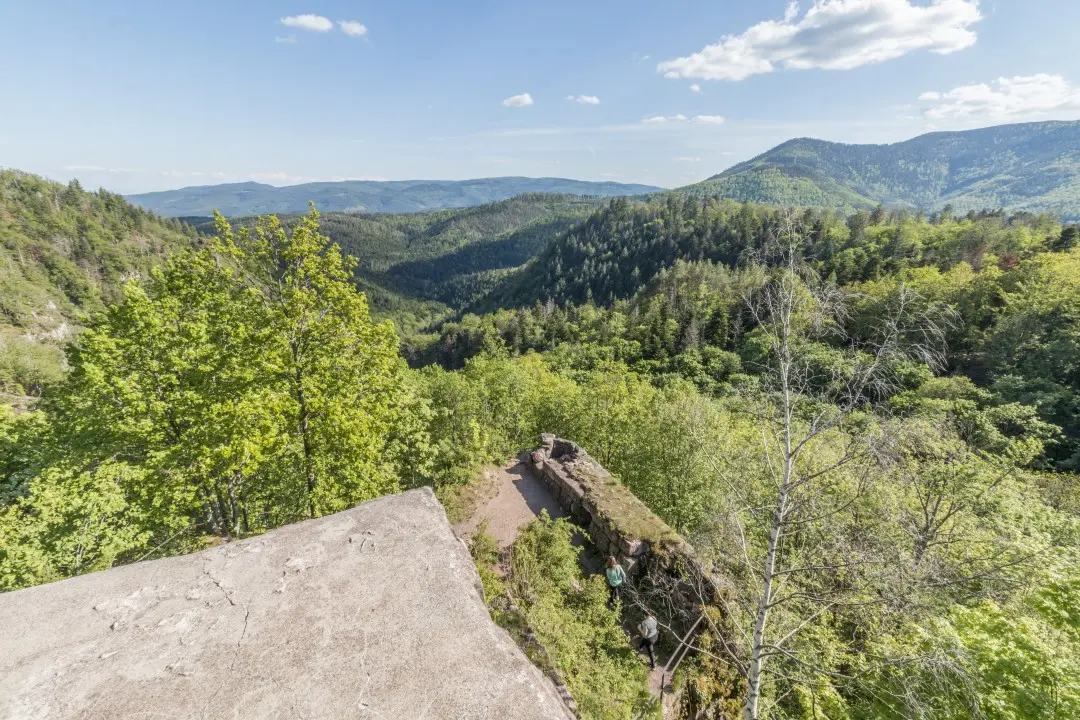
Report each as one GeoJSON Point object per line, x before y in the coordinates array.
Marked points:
{"type": "Point", "coordinates": [546, 593]}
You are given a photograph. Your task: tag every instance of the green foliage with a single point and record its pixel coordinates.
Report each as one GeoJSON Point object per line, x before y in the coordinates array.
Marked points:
{"type": "Point", "coordinates": [73, 521]}
{"type": "Point", "coordinates": [27, 366]}
{"type": "Point", "coordinates": [64, 253]}
{"type": "Point", "coordinates": [242, 387]}
{"type": "Point", "coordinates": [485, 553]}
{"type": "Point", "coordinates": [568, 611]}
{"type": "Point", "coordinates": [1003, 661]}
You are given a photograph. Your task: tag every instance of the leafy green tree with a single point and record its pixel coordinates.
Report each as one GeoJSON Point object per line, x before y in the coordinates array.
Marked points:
{"type": "Point", "coordinates": [336, 374]}
{"type": "Point", "coordinates": [242, 387]}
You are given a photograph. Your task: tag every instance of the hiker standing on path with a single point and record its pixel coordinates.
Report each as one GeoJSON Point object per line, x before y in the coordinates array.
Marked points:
{"type": "Point", "coordinates": [650, 634]}
{"type": "Point", "coordinates": [615, 576]}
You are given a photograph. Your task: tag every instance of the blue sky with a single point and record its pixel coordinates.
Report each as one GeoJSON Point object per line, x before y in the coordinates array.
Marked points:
{"type": "Point", "coordinates": [137, 96]}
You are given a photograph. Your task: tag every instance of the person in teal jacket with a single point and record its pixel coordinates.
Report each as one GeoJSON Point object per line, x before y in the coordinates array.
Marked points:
{"type": "Point", "coordinates": [615, 576]}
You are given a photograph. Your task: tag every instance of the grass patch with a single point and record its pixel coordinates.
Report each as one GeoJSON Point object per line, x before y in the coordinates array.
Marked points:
{"type": "Point", "coordinates": [621, 510]}
{"type": "Point", "coordinates": [462, 499]}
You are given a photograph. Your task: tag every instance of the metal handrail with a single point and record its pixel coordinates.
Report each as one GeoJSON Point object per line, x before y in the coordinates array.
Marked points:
{"type": "Point", "coordinates": [684, 647]}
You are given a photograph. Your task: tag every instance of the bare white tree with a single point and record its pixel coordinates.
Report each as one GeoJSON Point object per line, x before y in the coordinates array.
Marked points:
{"type": "Point", "coordinates": [817, 380]}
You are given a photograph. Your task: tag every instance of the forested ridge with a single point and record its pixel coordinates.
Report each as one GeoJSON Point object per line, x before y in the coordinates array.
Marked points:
{"type": "Point", "coordinates": [416, 266]}
{"type": "Point", "coordinates": [864, 423]}
{"type": "Point", "coordinates": [64, 255]}
{"type": "Point", "coordinates": [1031, 167]}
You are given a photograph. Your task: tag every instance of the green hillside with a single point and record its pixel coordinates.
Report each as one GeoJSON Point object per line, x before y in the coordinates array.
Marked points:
{"type": "Point", "coordinates": [1030, 167]}
{"type": "Point", "coordinates": [617, 250]}
{"type": "Point", "coordinates": [404, 196]}
{"type": "Point", "coordinates": [64, 253]}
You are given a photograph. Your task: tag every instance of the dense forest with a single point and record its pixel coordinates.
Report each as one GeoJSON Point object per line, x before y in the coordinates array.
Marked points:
{"type": "Point", "coordinates": [617, 250]}
{"type": "Point", "coordinates": [866, 425]}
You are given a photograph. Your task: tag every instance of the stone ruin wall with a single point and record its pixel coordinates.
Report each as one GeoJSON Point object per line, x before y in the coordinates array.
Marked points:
{"type": "Point", "coordinates": [620, 524]}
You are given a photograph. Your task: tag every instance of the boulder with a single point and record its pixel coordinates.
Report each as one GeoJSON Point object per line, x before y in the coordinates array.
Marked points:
{"type": "Point", "coordinates": [373, 612]}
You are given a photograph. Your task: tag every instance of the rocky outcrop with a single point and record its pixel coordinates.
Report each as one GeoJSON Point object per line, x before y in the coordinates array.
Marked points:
{"type": "Point", "coordinates": [620, 524]}
{"type": "Point", "coordinates": [617, 521]}
{"type": "Point", "coordinates": [372, 612]}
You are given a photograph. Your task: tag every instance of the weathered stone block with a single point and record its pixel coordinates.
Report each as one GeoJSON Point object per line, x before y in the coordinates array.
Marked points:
{"type": "Point", "coordinates": [315, 619]}
{"type": "Point", "coordinates": [632, 547]}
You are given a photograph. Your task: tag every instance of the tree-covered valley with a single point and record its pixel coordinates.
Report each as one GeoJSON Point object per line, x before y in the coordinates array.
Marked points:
{"type": "Point", "coordinates": [866, 423]}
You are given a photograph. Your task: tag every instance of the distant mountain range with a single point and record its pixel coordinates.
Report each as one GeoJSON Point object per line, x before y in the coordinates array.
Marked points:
{"type": "Point", "coordinates": [1025, 167]}
{"type": "Point", "coordinates": [253, 198]}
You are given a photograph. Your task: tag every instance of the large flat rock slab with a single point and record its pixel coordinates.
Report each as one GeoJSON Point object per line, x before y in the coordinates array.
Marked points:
{"type": "Point", "coordinates": [373, 612]}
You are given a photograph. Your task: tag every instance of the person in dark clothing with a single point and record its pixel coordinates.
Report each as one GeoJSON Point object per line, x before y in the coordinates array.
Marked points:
{"type": "Point", "coordinates": [615, 576]}
{"type": "Point", "coordinates": [650, 635]}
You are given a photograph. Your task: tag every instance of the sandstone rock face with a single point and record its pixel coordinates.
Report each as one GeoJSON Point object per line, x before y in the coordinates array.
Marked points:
{"type": "Point", "coordinates": [374, 612]}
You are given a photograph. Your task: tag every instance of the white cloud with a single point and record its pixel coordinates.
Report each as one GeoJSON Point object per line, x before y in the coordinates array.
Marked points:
{"type": "Point", "coordinates": [287, 40]}
{"type": "Point", "coordinates": [659, 119]}
{"type": "Point", "coordinates": [1008, 99]}
{"type": "Point", "coordinates": [522, 100]}
{"type": "Point", "coordinates": [833, 35]}
{"type": "Point", "coordinates": [315, 23]}
{"type": "Point", "coordinates": [584, 99]}
{"type": "Point", "coordinates": [688, 159]}
{"type": "Point", "coordinates": [695, 88]}
{"type": "Point", "coordinates": [352, 28]}
{"type": "Point", "coordinates": [680, 118]}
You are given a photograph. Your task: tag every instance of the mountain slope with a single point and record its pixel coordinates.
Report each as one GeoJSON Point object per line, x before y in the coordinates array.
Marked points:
{"type": "Point", "coordinates": [613, 253]}
{"type": "Point", "coordinates": [1031, 167]}
{"type": "Point", "coordinates": [365, 196]}
{"type": "Point", "coordinates": [65, 252]}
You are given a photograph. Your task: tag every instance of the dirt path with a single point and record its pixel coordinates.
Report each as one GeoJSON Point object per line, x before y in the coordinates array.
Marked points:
{"type": "Point", "coordinates": [516, 500]}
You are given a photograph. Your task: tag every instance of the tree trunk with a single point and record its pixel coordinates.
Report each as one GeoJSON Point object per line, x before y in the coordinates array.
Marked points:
{"type": "Point", "coordinates": [305, 435]}
{"type": "Point", "coordinates": [223, 513]}
{"type": "Point", "coordinates": [754, 667]}
{"type": "Point", "coordinates": [757, 661]}
{"type": "Point", "coordinates": [234, 515]}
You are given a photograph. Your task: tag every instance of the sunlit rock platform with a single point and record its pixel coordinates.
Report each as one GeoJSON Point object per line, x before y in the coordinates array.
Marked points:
{"type": "Point", "coordinates": [374, 612]}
